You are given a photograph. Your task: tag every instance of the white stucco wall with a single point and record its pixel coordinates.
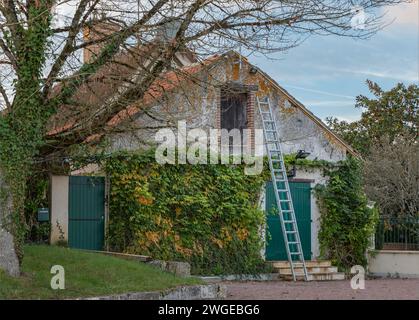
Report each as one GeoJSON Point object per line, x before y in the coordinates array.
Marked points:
{"type": "Point", "coordinates": [198, 105]}
{"type": "Point", "coordinates": [394, 263]}
{"type": "Point", "coordinates": [59, 208]}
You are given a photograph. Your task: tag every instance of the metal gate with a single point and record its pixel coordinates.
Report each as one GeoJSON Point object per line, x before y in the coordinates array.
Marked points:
{"type": "Point", "coordinates": [301, 198]}
{"type": "Point", "coordinates": [86, 212]}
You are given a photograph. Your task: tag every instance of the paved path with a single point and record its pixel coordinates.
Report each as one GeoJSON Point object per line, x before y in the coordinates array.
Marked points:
{"type": "Point", "coordinates": [335, 290]}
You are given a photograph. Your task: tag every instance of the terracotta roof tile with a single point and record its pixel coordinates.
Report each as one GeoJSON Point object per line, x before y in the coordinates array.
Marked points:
{"type": "Point", "coordinates": [107, 81]}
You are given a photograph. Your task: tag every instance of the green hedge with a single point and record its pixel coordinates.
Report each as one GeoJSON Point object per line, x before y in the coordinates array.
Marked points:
{"type": "Point", "coordinates": [207, 215]}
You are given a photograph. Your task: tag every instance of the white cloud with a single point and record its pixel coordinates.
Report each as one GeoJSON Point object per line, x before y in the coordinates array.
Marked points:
{"type": "Point", "coordinates": [395, 74]}
{"type": "Point", "coordinates": [329, 103]}
{"type": "Point", "coordinates": [319, 92]}
{"type": "Point", "coordinates": [410, 76]}
{"type": "Point", "coordinates": [405, 14]}
{"type": "Point", "coordinates": [349, 118]}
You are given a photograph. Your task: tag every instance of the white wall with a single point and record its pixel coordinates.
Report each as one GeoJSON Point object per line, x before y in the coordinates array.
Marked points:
{"type": "Point", "coordinates": [59, 208]}
{"type": "Point", "coordinates": [394, 263]}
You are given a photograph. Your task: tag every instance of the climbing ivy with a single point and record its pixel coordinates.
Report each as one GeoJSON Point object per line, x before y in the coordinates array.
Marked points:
{"type": "Point", "coordinates": [207, 215]}
{"type": "Point", "coordinates": [22, 127]}
{"type": "Point", "coordinates": [37, 197]}
{"type": "Point", "coordinates": [290, 160]}
{"type": "Point", "coordinates": [346, 221]}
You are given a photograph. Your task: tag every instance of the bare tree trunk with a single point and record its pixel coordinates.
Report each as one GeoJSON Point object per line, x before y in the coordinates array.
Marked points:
{"type": "Point", "coordinates": [8, 258]}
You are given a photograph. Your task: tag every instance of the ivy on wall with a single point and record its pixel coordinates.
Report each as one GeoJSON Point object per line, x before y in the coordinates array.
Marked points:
{"type": "Point", "coordinates": [346, 221]}
{"type": "Point", "coordinates": [207, 215]}
{"type": "Point", "coordinates": [290, 160]}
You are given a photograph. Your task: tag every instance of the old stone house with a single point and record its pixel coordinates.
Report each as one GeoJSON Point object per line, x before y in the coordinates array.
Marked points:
{"type": "Point", "coordinates": [218, 93]}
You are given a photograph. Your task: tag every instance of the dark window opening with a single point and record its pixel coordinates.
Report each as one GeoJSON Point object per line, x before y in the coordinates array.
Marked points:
{"type": "Point", "coordinates": [233, 114]}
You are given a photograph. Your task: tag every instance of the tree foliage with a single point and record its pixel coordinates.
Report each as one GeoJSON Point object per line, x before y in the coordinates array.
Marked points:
{"type": "Point", "coordinates": [391, 114]}
{"type": "Point", "coordinates": [346, 222]}
{"type": "Point", "coordinates": [391, 173]}
{"type": "Point", "coordinates": [386, 136]}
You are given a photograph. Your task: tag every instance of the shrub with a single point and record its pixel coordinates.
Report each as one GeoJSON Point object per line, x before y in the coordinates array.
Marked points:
{"type": "Point", "coordinates": [346, 223]}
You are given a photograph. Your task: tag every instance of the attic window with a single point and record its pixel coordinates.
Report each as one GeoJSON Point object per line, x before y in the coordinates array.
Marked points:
{"type": "Point", "coordinates": [233, 110]}
{"type": "Point", "coordinates": [233, 113]}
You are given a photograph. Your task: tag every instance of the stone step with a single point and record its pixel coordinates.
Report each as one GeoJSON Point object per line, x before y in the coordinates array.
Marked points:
{"type": "Point", "coordinates": [309, 264]}
{"type": "Point", "coordinates": [317, 277]}
{"type": "Point", "coordinates": [310, 270]}
{"type": "Point", "coordinates": [318, 270]}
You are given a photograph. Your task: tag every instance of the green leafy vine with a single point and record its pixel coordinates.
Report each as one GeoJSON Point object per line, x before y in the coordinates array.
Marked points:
{"type": "Point", "coordinates": [207, 215]}
{"type": "Point", "coordinates": [346, 222]}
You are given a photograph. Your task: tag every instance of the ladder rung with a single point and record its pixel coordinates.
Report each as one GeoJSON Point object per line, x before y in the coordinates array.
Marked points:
{"type": "Point", "coordinates": [284, 200]}
{"type": "Point", "coordinates": [282, 190]}
{"type": "Point", "coordinates": [289, 221]}
{"type": "Point", "coordinates": [290, 231]}
{"type": "Point", "coordinates": [295, 253]}
{"type": "Point", "coordinates": [293, 242]}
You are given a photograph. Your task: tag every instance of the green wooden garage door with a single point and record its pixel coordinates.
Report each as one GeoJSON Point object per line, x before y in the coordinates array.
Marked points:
{"type": "Point", "coordinates": [301, 196]}
{"type": "Point", "coordinates": [86, 212]}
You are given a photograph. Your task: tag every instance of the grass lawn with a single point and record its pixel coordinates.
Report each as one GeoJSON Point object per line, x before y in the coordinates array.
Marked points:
{"type": "Point", "coordinates": [86, 274]}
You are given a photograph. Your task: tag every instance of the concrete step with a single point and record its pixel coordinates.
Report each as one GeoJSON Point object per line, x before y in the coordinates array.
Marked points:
{"type": "Point", "coordinates": [317, 277]}
{"type": "Point", "coordinates": [309, 264]}
{"type": "Point", "coordinates": [318, 270]}
{"type": "Point", "coordinates": [310, 270]}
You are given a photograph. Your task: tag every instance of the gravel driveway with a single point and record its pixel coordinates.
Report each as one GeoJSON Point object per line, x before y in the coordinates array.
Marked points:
{"type": "Point", "coordinates": [334, 290]}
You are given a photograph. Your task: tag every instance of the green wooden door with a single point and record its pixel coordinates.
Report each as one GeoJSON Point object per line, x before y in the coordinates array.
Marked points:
{"type": "Point", "coordinates": [301, 197]}
{"type": "Point", "coordinates": [86, 212]}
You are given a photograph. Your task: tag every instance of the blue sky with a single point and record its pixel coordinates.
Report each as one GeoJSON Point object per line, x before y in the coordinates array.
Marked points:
{"type": "Point", "coordinates": [327, 73]}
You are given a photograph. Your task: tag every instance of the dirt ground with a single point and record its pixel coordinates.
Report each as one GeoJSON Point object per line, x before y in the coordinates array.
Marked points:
{"type": "Point", "coordinates": [332, 290]}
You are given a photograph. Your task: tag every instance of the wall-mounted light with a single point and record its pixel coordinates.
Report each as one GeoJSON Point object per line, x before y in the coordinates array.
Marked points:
{"type": "Point", "coordinates": [301, 154]}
